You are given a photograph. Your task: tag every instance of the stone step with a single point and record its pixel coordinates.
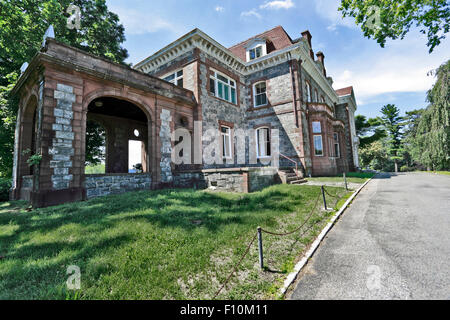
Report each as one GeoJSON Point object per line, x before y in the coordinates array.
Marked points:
{"type": "Point", "coordinates": [299, 181]}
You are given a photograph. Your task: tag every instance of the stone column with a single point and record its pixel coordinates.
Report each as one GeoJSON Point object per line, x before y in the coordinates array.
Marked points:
{"type": "Point", "coordinates": [62, 149]}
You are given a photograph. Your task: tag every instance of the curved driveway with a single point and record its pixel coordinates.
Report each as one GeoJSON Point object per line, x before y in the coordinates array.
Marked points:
{"type": "Point", "coordinates": [393, 242]}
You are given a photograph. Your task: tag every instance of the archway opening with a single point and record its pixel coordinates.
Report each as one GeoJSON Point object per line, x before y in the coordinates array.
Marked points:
{"type": "Point", "coordinates": [120, 120]}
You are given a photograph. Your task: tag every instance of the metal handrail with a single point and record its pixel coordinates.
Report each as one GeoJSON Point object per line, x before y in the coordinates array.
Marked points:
{"type": "Point", "coordinates": [296, 164]}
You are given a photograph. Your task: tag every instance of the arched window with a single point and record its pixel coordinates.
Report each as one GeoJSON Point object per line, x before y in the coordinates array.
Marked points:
{"type": "Point", "coordinates": [316, 96]}
{"type": "Point", "coordinates": [308, 92]}
{"type": "Point", "coordinates": [260, 95]}
{"type": "Point", "coordinates": [263, 148]}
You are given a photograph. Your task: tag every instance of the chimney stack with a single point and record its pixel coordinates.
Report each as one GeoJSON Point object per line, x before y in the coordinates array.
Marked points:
{"type": "Point", "coordinates": [307, 35]}
{"type": "Point", "coordinates": [321, 59]}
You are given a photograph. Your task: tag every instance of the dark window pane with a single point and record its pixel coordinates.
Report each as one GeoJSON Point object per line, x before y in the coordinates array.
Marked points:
{"type": "Point", "coordinates": [233, 95]}
{"type": "Point", "coordinates": [180, 82]}
{"type": "Point", "coordinates": [180, 73]}
{"type": "Point", "coordinates": [170, 78]}
{"type": "Point", "coordinates": [222, 78]}
{"type": "Point", "coordinates": [212, 86]}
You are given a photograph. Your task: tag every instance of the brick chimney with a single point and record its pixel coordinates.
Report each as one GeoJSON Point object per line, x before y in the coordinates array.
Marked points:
{"type": "Point", "coordinates": [321, 59]}
{"type": "Point", "coordinates": [307, 35]}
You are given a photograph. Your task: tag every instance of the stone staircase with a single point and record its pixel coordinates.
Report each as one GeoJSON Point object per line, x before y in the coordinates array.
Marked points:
{"type": "Point", "coordinates": [288, 176]}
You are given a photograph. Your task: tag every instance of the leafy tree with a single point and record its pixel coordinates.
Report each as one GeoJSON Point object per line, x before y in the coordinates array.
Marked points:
{"type": "Point", "coordinates": [365, 127]}
{"type": "Point", "coordinates": [95, 143]}
{"type": "Point", "coordinates": [392, 122]}
{"type": "Point", "coordinates": [393, 19]}
{"type": "Point", "coordinates": [375, 156]}
{"type": "Point", "coordinates": [430, 141]}
{"type": "Point", "coordinates": [22, 26]}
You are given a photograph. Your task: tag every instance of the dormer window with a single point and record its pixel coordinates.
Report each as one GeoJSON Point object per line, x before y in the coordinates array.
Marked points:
{"type": "Point", "coordinates": [255, 53]}
{"type": "Point", "coordinates": [256, 49]}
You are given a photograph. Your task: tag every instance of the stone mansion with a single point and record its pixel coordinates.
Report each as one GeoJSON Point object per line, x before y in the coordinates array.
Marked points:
{"type": "Point", "coordinates": [268, 82]}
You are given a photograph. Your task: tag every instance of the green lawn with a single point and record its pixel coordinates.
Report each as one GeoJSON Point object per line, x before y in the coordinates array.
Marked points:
{"type": "Point", "coordinates": [95, 169]}
{"type": "Point", "coordinates": [354, 177]}
{"type": "Point", "coordinates": [168, 244]}
{"type": "Point", "coordinates": [443, 172]}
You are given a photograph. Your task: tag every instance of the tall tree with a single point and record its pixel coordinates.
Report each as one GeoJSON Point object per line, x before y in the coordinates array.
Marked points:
{"type": "Point", "coordinates": [22, 26]}
{"type": "Point", "coordinates": [368, 131]}
{"type": "Point", "coordinates": [393, 19]}
{"type": "Point", "coordinates": [431, 139]}
{"type": "Point", "coordinates": [392, 123]}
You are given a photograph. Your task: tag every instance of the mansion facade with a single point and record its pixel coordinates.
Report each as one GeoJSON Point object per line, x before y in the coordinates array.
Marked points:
{"type": "Point", "coordinates": [269, 81]}
{"type": "Point", "coordinates": [267, 84]}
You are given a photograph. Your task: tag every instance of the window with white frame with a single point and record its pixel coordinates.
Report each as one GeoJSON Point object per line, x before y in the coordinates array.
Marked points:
{"type": "Point", "coordinates": [255, 52]}
{"type": "Point", "coordinates": [175, 78]}
{"type": "Point", "coordinates": [337, 151]}
{"type": "Point", "coordinates": [318, 146]}
{"type": "Point", "coordinates": [263, 149]}
{"type": "Point", "coordinates": [260, 96]}
{"type": "Point", "coordinates": [322, 99]}
{"type": "Point", "coordinates": [316, 95]}
{"type": "Point", "coordinates": [222, 87]}
{"type": "Point", "coordinates": [308, 92]}
{"type": "Point", "coordinates": [316, 127]}
{"type": "Point", "coordinates": [226, 142]}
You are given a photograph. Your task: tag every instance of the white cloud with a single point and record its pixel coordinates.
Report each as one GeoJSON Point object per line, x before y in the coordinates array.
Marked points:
{"type": "Point", "coordinates": [138, 22]}
{"type": "Point", "coordinates": [219, 9]}
{"type": "Point", "coordinates": [379, 73]}
{"type": "Point", "coordinates": [328, 9]}
{"type": "Point", "coordinates": [251, 13]}
{"type": "Point", "coordinates": [278, 4]}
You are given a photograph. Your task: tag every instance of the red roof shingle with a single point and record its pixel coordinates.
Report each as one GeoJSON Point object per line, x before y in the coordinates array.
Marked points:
{"type": "Point", "coordinates": [344, 91]}
{"type": "Point", "coordinates": [277, 38]}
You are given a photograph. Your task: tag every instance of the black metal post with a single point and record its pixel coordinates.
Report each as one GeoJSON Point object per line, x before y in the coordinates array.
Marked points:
{"type": "Point", "coordinates": [324, 201]}
{"type": "Point", "coordinates": [260, 247]}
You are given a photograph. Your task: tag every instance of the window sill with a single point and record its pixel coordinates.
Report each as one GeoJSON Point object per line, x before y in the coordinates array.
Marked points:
{"type": "Point", "coordinates": [229, 102]}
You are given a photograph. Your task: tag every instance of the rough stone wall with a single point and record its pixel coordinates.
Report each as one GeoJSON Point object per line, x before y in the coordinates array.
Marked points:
{"type": "Point", "coordinates": [189, 180]}
{"type": "Point", "coordinates": [279, 113]}
{"type": "Point", "coordinates": [261, 178]}
{"type": "Point", "coordinates": [103, 185]}
{"type": "Point", "coordinates": [62, 149]}
{"type": "Point", "coordinates": [342, 114]}
{"type": "Point", "coordinates": [215, 109]}
{"type": "Point", "coordinates": [166, 146]}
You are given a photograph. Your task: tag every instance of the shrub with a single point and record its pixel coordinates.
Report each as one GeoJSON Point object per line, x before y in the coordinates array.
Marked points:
{"type": "Point", "coordinates": [5, 185]}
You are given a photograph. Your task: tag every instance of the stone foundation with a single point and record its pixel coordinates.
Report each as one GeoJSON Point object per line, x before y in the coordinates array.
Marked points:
{"type": "Point", "coordinates": [242, 180]}
{"type": "Point", "coordinates": [98, 185]}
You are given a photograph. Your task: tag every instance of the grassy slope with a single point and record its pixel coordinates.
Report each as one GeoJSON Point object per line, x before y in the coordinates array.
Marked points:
{"type": "Point", "coordinates": [147, 245]}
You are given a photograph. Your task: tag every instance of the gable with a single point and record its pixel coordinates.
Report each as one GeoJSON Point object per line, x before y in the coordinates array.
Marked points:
{"type": "Point", "coordinates": [276, 39]}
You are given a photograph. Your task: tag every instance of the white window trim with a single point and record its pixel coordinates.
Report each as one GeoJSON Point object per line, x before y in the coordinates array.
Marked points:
{"type": "Point", "coordinates": [321, 142]}
{"type": "Point", "coordinates": [175, 79]}
{"type": "Point", "coordinates": [216, 84]}
{"type": "Point", "coordinates": [223, 142]}
{"type": "Point", "coordinates": [336, 142]}
{"type": "Point", "coordinates": [254, 95]}
{"type": "Point", "coordinates": [308, 92]}
{"type": "Point", "coordinates": [316, 93]}
{"type": "Point", "coordinates": [255, 44]}
{"type": "Point", "coordinates": [258, 156]}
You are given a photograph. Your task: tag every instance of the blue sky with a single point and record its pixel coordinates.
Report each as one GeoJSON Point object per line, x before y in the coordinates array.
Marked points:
{"type": "Point", "coordinates": [395, 74]}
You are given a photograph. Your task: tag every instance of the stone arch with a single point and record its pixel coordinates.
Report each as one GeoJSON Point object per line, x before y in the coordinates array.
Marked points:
{"type": "Point", "coordinates": [138, 102]}
{"type": "Point", "coordinates": [27, 137]}
{"type": "Point", "coordinates": [118, 94]}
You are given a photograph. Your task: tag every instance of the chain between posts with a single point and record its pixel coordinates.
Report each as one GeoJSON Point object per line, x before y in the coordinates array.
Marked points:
{"type": "Point", "coordinates": [271, 233]}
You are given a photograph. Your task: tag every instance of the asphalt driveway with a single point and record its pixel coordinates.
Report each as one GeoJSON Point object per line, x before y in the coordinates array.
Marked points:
{"type": "Point", "coordinates": [392, 243]}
